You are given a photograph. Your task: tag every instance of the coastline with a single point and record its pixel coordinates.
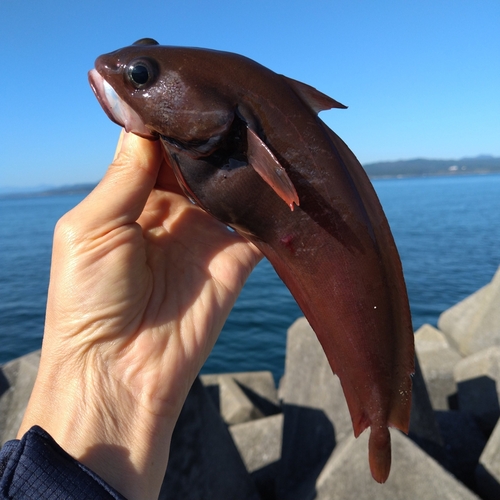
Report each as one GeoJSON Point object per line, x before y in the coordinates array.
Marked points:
{"type": "Point", "coordinates": [399, 169]}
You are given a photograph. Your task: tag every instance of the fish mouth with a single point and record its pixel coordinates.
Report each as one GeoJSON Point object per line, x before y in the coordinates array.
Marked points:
{"type": "Point", "coordinates": [116, 108]}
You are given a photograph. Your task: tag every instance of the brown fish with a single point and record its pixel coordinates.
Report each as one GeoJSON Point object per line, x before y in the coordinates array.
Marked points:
{"type": "Point", "coordinates": [247, 146]}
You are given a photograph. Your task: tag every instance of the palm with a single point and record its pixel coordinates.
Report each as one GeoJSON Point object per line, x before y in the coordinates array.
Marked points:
{"type": "Point", "coordinates": [173, 278]}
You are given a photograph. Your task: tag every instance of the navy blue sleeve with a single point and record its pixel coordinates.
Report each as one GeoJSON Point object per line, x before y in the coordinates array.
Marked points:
{"type": "Point", "coordinates": [37, 468]}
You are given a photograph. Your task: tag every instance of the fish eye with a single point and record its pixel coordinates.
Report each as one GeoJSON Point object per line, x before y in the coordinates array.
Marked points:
{"type": "Point", "coordinates": [141, 72]}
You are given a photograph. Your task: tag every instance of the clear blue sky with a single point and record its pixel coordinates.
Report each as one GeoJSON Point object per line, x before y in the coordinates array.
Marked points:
{"type": "Point", "coordinates": [421, 78]}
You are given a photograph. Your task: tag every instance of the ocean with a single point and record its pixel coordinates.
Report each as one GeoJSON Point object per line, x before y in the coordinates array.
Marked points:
{"type": "Point", "coordinates": [447, 230]}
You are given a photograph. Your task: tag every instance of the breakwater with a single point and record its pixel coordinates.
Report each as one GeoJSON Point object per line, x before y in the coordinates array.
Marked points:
{"type": "Point", "coordinates": [241, 437]}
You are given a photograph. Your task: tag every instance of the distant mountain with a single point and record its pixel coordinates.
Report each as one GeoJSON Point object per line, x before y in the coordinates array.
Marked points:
{"type": "Point", "coordinates": [17, 189]}
{"type": "Point", "coordinates": [47, 191]}
{"type": "Point", "coordinates": [420, 167]}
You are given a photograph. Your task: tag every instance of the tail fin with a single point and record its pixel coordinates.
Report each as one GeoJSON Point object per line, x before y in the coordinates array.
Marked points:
{"type": "Point", "coordinates": [379, 450]}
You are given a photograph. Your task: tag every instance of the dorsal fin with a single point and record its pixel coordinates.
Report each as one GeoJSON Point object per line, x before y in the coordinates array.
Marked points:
{"type": "Point", "coordinates": [316, 99]}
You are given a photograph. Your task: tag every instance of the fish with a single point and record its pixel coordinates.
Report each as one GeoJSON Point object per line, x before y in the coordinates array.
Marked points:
{"type": "Point", "coordinates": [247, 145]}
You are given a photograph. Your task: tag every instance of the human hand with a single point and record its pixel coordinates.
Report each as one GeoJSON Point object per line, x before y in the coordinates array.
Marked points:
{"type": "Point", "coordinates": [141, 284]}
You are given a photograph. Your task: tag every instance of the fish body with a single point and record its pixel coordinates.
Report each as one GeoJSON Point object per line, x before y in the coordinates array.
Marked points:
{"type": "Point", "coordinates": [248, 147]}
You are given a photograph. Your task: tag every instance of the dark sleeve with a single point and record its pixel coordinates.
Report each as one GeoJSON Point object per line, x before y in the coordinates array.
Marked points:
{"type": "Point", "coordinates": [37, 468]}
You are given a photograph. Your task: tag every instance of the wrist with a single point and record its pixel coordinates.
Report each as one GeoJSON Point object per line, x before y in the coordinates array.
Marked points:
{"type": "Point", "coordinates": [94, 418]}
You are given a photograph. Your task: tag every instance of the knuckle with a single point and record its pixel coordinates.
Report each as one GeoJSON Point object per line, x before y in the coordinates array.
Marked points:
{"type": "Point", "coordinates": [67, 231]}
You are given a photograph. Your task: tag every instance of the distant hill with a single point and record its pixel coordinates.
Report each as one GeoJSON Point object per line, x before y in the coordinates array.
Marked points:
{"type": "Point", "coordinates": [420, 167]}
{"type": "Point", "coordinates": [50, 191]}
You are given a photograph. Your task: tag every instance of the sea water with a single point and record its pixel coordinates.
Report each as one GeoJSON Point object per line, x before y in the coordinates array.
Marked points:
{"type": "Point", "coordinates": [447, 230]}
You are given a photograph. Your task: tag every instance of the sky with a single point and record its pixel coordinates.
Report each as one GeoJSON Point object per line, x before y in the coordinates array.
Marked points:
{"type": "Point", "coordinates": [420, 78]}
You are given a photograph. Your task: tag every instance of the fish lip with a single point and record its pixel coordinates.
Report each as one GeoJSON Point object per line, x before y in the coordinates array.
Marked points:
{"type": "Point", "coordinates": [117, 109]}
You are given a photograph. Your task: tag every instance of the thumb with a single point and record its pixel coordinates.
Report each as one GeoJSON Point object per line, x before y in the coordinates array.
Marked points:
{"type": "Point", "coordinates": [121, 195]}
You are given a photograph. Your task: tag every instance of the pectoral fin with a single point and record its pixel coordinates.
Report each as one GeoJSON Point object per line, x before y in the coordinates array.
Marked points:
{"type": "Point", "coordinates": [261, 158]}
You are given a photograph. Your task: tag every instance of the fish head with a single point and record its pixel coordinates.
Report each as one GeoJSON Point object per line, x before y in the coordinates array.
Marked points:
{"type": "Point", "coordinates": [188, 98]}
{"type": "Point", "coordinates": [152, 91]}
